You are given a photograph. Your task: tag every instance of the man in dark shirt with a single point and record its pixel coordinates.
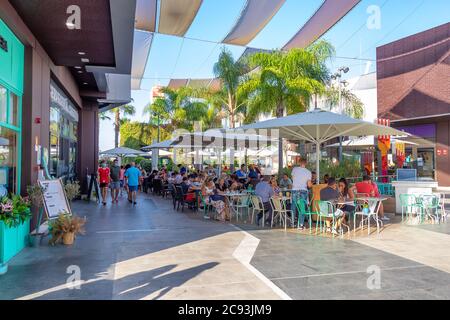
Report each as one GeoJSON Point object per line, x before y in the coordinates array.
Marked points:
{"type": "Point", "coordinates": [115, 181]}
{"type": "Point", "coordinates": [331, 192]}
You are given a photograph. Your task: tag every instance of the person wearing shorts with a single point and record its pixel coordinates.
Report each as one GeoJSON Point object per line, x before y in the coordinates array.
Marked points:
{"type": "Point", "coordinates": [122, 179]}
{"type": "Point", "coordinates": [104, 178]}
{"type": "Point", "coordinates": [115, 181]}
{"type": "Point", "coordinates": [133, 174]}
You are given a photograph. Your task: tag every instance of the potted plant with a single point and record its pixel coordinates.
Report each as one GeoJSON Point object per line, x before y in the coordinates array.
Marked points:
{"type": "Point", "coordinates": [36, 198]}
{"type": "Point", "coordinates": [66, 228]}
{"type": "Point", "coordinates": [72, 190]}
{"type": "Point", "coordinates": [14, 227]}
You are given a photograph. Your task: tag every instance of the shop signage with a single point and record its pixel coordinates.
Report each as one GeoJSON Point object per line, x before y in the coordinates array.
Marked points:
{"type": "Point", "coordinates": [3, 44]}
{"type": "Point", "coordinates": [59, 99]}
{"type": "Point", "coordinates": [55, 199]}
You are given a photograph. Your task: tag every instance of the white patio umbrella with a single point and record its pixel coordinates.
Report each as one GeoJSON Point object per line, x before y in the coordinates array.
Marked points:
{"type": "Point", "coordinates": [123, 152]}
{"type": "Point", "coordinates": [319, 126]}
{"type": "Point", "coordinates": [366, 142]}
{"type": "Point", "coordinates": [163, 153]}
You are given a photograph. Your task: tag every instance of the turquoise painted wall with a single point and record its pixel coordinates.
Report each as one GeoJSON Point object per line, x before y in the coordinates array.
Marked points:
{"type": "Point", "coordinates": [13, 240]}
{"type": "Point", "coordinates": [12, 61]}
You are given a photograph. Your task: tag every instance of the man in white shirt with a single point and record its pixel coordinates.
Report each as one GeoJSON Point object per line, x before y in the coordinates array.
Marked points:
{"type": "Point", "coordinates": [301, 181]}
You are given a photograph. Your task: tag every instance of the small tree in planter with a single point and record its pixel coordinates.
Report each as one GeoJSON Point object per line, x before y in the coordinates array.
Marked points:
{"type": "Point", "coordinates": [72, 190]}
{"type": "Point", "coordinates": [36, 198]}
{"type": "Point", "coordinates": [66, 228]}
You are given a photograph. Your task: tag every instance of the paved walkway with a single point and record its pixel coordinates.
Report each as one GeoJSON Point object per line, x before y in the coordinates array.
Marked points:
{"type": "Point", "coordinates": [152, 252]}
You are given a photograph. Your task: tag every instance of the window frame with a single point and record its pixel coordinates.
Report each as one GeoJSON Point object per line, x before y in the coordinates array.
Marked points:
{"type": "Point", "coordinates": [16, 128]}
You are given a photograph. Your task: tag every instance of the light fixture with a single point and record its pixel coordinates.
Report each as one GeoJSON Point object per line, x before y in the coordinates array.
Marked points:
{"type": "Point", "coordinates": [85, 83]}
{"type": "Point", "coordinates": [81, 53]}
{"type": "Point", "coordinates": [80, 71]}
{"type": "Point", "coordinates": [77, 67]}
{"type": "Point", "coordinates": [85, 60]}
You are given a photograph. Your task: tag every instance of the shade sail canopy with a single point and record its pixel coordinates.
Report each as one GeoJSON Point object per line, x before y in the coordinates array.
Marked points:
{"type": "Point", "coordinates": [177, 16]}
{"type": "Point", "coordinates": [319, 126]}
{"type": "Point", "coordinates": [141, 49]}
{"type": "Point", "coordinates": [122, 151]}
{"type": "Point", "coordinates": [326, 17]}
{"type": "Point", "coordinates": [255, 16]}
{"type": "Point", "coordinates": [146, 15]}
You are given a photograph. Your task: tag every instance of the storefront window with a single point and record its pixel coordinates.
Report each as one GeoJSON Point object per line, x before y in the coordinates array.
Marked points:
{"type": "Point", "coordinates": [13, 109]}
{"type": "Point", "coordinates": [8, 161]}
{"type": "Point", "coordinates": [63, 134]}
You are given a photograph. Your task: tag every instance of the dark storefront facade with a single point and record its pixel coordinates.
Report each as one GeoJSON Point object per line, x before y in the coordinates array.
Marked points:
{"type": "Point", "coordinates": [414, 93]}
{"type": "Point", "coordinates": [55, 88]}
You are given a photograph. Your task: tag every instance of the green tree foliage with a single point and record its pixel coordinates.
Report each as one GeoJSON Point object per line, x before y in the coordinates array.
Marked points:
{"type": "Point", "coordinates": [136, 135]}
{"type": "Point", "coordinates": [284, 82]}
{"type": "Point", "coordinates": [179, 108]}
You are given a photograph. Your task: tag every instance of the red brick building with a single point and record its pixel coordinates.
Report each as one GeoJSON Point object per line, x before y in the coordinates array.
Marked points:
{"type": "Point", "coordinates": [414, 93]}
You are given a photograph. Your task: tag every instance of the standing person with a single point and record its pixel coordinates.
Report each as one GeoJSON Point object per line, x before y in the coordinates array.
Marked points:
{"type": "Point", "coordinates": [115, 181]}
{"type": "Point", "coordinates": [126, 182]}
{"type": "Point", "coordinates": [122, 179]}
{"type": "Point", "coordinates": [301, 181]}
{"type": "Point", "coordinates": [103, 174]}
{"type": "Point", "coordinates": [133, 174]}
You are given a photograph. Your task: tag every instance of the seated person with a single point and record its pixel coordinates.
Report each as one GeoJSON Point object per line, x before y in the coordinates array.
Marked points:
{"type": "Point", "coordinates": [222, 185]}
{"type": "Point", "coordinates": [346, 194]}
{"type": "Point", "coordinates": [242, 173]}
{"type": "Point", "coordinates": [186, 187]}
{"type": "Point", "coordinates": [367, 186]}
{"type": "Point", "coordinates": [235, 184]}
{"type": "Point", "coordinates": [331, 194]}
{"type": "Point", "coordinates": [274, 184]}
{"type": "Point", "coordinates": [265, 191]}
{"type": "Point", "coordinates": [286, 182]}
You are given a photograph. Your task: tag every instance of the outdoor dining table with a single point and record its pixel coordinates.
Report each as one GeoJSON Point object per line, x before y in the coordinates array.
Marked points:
{"type": "Point", "coordinates": [374, 203]}
{"type": "Point", "coordinates": [232, 196]}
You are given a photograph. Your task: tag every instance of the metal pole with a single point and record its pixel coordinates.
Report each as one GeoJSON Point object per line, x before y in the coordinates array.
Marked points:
{"type": "Point", "coordinates": [341, 111]}
{"type": "Point", "coordinates": [318, 162]}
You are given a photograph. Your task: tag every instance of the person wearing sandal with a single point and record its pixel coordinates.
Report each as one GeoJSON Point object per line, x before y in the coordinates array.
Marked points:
{"type": "Point", "coordinates": [104, 178]}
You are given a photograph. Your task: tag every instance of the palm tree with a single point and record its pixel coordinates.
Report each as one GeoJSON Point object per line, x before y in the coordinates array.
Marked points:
{"type": "Point", "coordinates": [230, 72]}
{"type": "Point", "coordinates": [285, 82]}
{"type": "Point", "coordinates": [353, 106]}
{"type": "Point", "coordinates": [120, 114]}
{"type": "Point", "coordinates": [179, 107]}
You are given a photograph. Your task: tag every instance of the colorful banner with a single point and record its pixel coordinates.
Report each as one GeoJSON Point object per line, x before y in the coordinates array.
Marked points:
{"type": "Point", "coordinates": [400, 154]}
{"type": "Point", "coordinates": [384, 145]}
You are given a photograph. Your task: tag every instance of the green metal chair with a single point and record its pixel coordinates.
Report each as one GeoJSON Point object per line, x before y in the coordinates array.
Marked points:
{"type": "Point", "coordinates": [325, 211]}
{"type": "Point", "coordinates": [206, 207]}
{"type": "Point", "coordinates": [409, 204]}
{"type": "Point", "coordinates": [429, 206]}
{"type": "Point", "coordinates": [302, 208]}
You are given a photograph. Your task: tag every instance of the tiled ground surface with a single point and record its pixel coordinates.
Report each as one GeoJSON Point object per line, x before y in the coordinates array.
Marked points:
{"type": "Point", "coordinates": [152, 252]}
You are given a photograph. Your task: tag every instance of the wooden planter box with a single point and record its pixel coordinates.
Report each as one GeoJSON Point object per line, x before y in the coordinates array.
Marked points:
{"type": "Point", "coordinates": [13, 240]}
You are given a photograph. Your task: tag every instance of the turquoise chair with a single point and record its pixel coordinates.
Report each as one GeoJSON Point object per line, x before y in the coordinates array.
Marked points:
{"type": "Point", "coordinates": [302, 208]}
{"type": "Point", "coordinates": [429, 206]}
{"type": "Point", "coordinates": [410, 206]}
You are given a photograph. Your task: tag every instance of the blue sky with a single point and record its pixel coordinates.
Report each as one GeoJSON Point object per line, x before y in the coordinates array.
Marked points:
{"type": "Point", "coordinates": [173, 57]}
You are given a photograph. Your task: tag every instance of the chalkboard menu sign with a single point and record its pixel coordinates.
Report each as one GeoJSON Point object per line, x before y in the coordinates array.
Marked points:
{"type": "Point", "coordinates": [55, 199]}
